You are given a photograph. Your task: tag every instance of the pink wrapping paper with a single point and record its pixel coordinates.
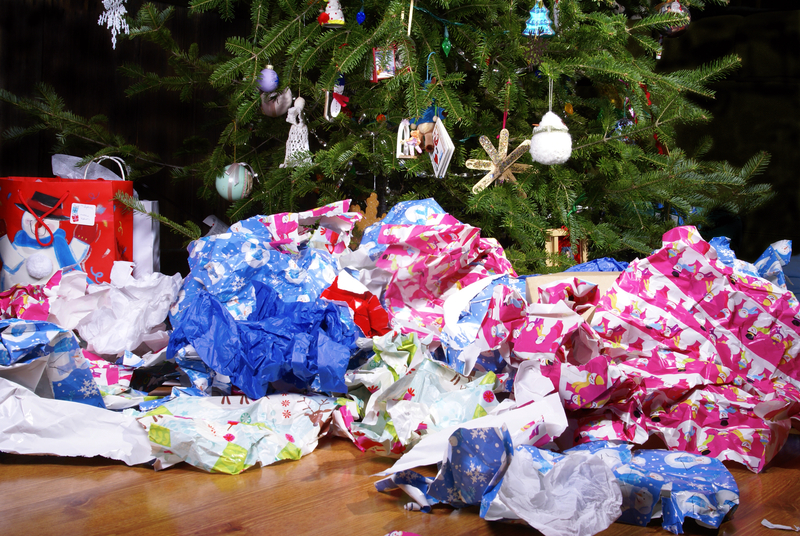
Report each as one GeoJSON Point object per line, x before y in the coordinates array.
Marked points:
{"type": "Point", "coordinates": [680, 347]}
{"type": "Point", "coordinates": [28, 302]}
{"type": "Point", "coordinates": [699, 354]}
{"type": "Point", "coordinates": [430, 262]}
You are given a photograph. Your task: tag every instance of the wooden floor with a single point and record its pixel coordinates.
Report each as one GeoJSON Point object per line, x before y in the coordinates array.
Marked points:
{"type": "Point", "coordinates": [329, 492]}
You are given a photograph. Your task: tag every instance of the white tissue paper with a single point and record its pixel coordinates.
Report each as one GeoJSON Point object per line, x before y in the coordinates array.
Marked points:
{"type": "Point", "coordinates": [42, 426]}
{"type": "Point", "coordinates": [117, 316]}
{"type": "Point", "coordinates": [579, 496]}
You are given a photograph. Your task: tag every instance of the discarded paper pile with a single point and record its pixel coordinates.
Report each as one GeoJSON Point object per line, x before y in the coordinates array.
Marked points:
{"type": "Point", "coordinates": [422, 337]}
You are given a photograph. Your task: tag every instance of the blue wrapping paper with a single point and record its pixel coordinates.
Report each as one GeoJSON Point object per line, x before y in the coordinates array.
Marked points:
{"type": "Point", "coordinates": [228, 265]}
{"type": "Point", "coordinates": [69, 373]}
{"type": "Point", "coordinates": [305, 344]}
{"type": "Point", "coordinates": [768, 266]}
{"type": "Point", "coordinates": [474, 457]}
{"type": "Point", "coordinates": [606, 264]}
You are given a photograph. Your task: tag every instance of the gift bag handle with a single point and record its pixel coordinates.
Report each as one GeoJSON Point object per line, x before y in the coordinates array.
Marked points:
{"type": "Point", "coordinates": [120, 162]}
{"type": "Point", "coordinates": [39, 222]}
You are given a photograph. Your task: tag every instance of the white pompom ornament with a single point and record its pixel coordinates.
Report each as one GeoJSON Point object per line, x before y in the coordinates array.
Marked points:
{"type": "Point", "coordinates": [551, 142]}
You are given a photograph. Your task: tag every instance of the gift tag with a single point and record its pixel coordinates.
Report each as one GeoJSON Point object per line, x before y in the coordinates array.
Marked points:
{"type": "Point", "coordinates": [82, 214]}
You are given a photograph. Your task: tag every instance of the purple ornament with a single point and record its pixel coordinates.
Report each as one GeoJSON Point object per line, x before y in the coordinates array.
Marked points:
{"type": "Point", "coordinates": [268, 81]}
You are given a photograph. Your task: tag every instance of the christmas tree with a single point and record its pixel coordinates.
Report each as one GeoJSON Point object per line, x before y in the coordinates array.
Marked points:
{"type": "Point", "coordinates": [405, 75]}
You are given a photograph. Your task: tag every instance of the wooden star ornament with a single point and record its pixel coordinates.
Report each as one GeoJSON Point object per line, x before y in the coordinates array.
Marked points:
{"type": "Point", "coordinates": [502, 165]}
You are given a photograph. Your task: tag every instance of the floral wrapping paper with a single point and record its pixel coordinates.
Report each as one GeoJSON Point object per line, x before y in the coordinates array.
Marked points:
{"type": "Point", "coordinates": [229, 434]}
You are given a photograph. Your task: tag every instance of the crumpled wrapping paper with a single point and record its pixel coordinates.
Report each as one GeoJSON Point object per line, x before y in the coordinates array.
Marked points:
{"type": "Point", "coordinates": [606, 264]}
{"type": "Point", "coordinates": [229, 434]}
{"type": "Point", "coordinates": [289, 231]}
{"type": "Point", "coordinates": [305, 344]}
{"type": "Point", "coordinates": [577, 495]}
{"type": "Point", "coordinates": [430, 262]}
{"type": "Point", "coordinates": [275, 250]}
{"type": "Point", "coordinates": [33, 425]}
{"type": "Point", "coordinates": [53, 358]}
{"type": "Point", "coordinates": [368, 313]}
{"type": "Point", "coordinates": [473, 459]}
{"type": "Point", "coordinates": [769, 265]}
{"type": "Point", "coordinates": [426, 399]}
{"type": "Point", "coordinates": [29, 302]}
{"type": "Point", "coordinates": [540, 484]}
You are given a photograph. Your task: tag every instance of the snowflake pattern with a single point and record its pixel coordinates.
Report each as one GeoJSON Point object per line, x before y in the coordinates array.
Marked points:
{"type": "Point", "coordinates": [287, 414]}
{"type": "Point", "coordinates": [475, 474]}
{"type": "Point", "coordinates": [89, 388]}
{"type": "Point", "coordinates": [478, 433]}
{"type": "Point", "coordinates": [114, 19]}
{"type": "Point", "coordinates": [285, 403]}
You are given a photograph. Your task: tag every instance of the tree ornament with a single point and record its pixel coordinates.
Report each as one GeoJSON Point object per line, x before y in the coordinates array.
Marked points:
{"type": "Point", "coordinates": [236, 181]}
{"type": "Point", "coordinates": [268, 81]}
{"type": "Point", "coordinates": [406, 143]}
{"type": "Point", "coordinates": [539, 23]}
{"type": "Point", "coordinates": [338, 101]}
{"type": "Point", "coordinates": [502, 166]}
{"type": "Point", "coordinates": [446, 44]}
{"type": "Point", "coordinates": [383, 63]}
{"type": "Point", "coordinates": [276, 104]}
{"type": "Point", "coordinates": [551, 142]}
{"type": "Point", "coordinates": [361, 16]}
{"type": "Point", "coordinates": [297, 150]}
{"type": "Point", "coordinates": [335, 15]}
{"type": "Point", "coordinates": [443, 149]}
{"type": "Point", "coordinates": [673, 7]}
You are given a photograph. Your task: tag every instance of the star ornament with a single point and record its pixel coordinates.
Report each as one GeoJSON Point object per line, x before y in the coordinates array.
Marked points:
{"type": "Point", "coordinates": [502, 165]}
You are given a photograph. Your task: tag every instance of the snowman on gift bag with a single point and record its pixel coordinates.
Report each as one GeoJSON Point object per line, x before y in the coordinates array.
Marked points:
{"type": "Point", "coordinates": [40, 248]}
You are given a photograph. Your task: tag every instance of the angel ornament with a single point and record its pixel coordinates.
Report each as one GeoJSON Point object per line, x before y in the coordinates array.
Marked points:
{"type": "Point", "coordinates": [297, 151]}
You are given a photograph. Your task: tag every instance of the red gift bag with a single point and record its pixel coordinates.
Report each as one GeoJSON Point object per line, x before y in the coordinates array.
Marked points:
{"type": "Point", "coordinates": [49, 224]}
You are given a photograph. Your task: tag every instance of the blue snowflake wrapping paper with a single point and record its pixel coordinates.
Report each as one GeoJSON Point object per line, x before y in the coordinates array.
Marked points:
{"type": "Point", "coordinates": [414, 484]}
{"type": "Point", "coordinates": [685, 485]}
{"type": "Point", "coordinates": [69, 373]}
{"type": "Point", "coordinates": [305, 344]}
{"type": "Point", "coordinates": [474, 457]}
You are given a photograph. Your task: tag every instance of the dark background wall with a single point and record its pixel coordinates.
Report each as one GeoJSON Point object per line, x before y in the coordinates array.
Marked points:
{"type": "Point", "coordinates": [59, 42]}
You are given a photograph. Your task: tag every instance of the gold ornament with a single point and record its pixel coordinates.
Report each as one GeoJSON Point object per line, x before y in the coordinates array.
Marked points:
{"type": "Point", "coordinates": [502, 165]}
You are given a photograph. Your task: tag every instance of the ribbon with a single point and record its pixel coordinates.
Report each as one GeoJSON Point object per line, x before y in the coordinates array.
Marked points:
{"type": "Point", "coordinates": [39, 222]}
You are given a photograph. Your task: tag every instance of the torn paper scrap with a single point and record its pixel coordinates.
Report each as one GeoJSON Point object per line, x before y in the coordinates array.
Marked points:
{"type": "Point", "coordinates": [769, 525]}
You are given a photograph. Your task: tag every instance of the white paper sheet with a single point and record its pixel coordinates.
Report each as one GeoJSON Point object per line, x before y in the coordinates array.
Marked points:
{"type": "Point", "coordinates": [33, 425]}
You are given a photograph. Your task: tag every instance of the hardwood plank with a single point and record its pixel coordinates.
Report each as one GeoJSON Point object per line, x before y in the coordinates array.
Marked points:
{"type": "Point", "coordinates": [330, 491]}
